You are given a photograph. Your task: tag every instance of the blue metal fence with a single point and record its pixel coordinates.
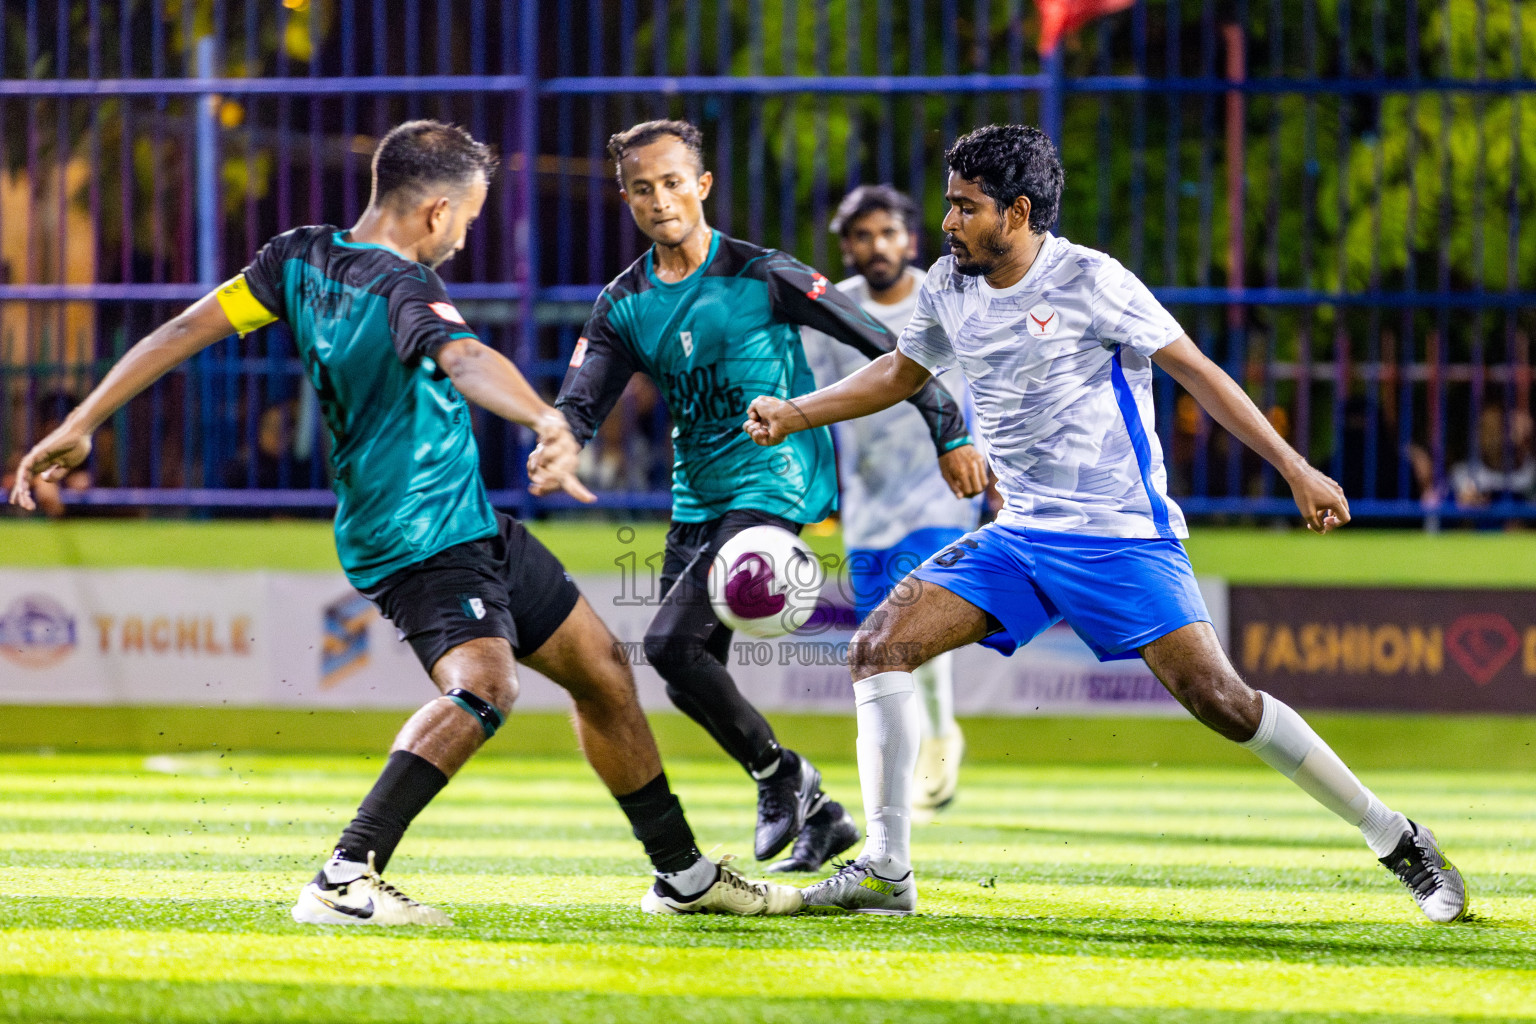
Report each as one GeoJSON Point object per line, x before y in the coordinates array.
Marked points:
{"type": "Point", "coordinates": [1333, 195]}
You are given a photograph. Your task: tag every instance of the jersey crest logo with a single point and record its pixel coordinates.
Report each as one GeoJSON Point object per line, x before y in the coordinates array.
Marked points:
{"type": "Point", "coordinates": [1042, 321]}
{"type": "Point", "coordinates": [446, 311]}
{"type": "Point", "coordinates": [818, 287]}
{"type": "Point", "coordinates": [686, 337]}
{"type": "Point", "coordinates": [579, 354]}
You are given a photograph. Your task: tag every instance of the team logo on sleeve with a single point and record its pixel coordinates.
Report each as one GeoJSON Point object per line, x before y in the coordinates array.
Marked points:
{"type": "Point", "coordinates": [1041, 321]}
{"type": "Point", "coordinates": [818, 287]}
{"type": "Point", "coordinates": [447, 311]}
{"type": "Point", "coordinates": [686, 337]}
{"type": "Point", "coordinates": [579, 354]}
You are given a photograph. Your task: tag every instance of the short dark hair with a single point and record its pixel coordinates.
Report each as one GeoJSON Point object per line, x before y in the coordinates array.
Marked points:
{"type": "Point", "coordinates": [868, 199]}
{"type": "Point", "coordinates": [1012, 160]}
{"type": "Point", "coordinates": [647, 132]}
{"type": "Point", "coordinates": [418, 154]}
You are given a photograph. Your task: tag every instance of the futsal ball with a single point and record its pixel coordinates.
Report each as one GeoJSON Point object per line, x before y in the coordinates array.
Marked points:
{"type": "Point", "coordinates": [765, 581]}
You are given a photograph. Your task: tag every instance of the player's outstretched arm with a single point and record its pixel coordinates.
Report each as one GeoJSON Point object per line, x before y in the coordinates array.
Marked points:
{"type": "Point", "coordinates": [884, 382]}
{"type": "Point", "coordinates": [200, 325]}
{"type": "Point", "coordinates": [1321, 500]}
{"type": "Point", "coordinates": [491, 381]}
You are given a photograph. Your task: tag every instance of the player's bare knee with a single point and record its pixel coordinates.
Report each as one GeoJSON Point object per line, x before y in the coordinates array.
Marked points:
{"type": "Point", "coordinates": [1220, 700]}
{"type": "Point", "coordinates": [873, 651]}
{"type": "Point", "coordinates": [485, 669]}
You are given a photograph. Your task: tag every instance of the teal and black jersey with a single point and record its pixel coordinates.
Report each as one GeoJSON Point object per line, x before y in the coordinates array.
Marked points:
{"type": "Point", "coordinates": [367, 323]}
{"type": "Point", "coordinates": [713, 342]}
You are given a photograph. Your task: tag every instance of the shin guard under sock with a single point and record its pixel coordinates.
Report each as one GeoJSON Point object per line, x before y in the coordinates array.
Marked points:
{"type": "Point", "coordinates": [1286, 743]}
{"type": "Point", "coordinates": [407, 784]}
{"type": "Point", "coordinates": [886, 710]}
{"type": "Point", "coordinates": [658, 822]}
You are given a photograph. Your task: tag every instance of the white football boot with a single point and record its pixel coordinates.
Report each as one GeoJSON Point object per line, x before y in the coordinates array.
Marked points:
{"type": "Point", "coordinates": [366, 899]}
{"type": "Point", "coordinates": [1436, 885]}
{"type": "Point", "coordinates": [938, 770]}
{"type": "Point", "coordinates": [856, 889]}
{"type": "Point", "coordinates": [731, 894]}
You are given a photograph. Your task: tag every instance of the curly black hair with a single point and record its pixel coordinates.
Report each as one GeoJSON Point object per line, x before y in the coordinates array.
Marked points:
{"type": "Point", "coordinates": [1012, 160]}
{"type": "Point", "coordinates": [868, 199]}
{"type": "Point", "coordinates": [418, 154]}
{"type": "Point", "coordinates": [647, 132]}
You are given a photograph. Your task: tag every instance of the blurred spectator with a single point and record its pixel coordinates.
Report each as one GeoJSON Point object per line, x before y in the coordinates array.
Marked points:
{"type": "Point", "coordinates": [632, 451]}
{"type": "Point", "coordinates": [50, 495]}
{"type": "Point", "coordinates": [1503, 466]}
{"type": "Point", "coordinates": [1189, 420]}
{"type": "Point", "coordinates": [276, 466]}
{"type": "Point", "coordinates": [1390, 454]}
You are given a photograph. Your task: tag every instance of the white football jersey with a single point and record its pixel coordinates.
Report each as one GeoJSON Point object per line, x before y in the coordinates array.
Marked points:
{"type": "Point", "coordinates": [1060, 371]}
{"type": "Point", "coordinates": [889, 475]}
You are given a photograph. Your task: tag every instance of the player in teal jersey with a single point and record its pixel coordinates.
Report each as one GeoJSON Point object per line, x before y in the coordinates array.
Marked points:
{"type": "Point", "coordinates": [393, 362]}
{"type": "Point", "coordinates": [714, 321]}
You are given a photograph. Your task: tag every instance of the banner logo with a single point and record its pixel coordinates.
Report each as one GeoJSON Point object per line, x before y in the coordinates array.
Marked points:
{"type": "Point", "coordinates": [1482, 644]}
{"type": "Point", "coordinates": [345, 647]}
{"type": "Point", "coordinates": [36, 631]}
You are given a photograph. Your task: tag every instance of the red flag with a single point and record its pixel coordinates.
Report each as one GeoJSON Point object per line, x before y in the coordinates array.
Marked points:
{"type": "Point", "coordinates": [1058, 17]}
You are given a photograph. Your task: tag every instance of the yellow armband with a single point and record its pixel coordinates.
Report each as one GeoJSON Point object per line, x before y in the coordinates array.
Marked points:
{"type": "Point", "coordinates": [242, 308]}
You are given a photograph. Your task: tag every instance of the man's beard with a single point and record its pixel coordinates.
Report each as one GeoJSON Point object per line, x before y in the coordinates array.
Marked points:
{"type": "Point", "coordinates": [438, 258]}
{"type": "Point", "coordinates": [972, 264]}
{"type": "Point", "coordinates": [883, 275]}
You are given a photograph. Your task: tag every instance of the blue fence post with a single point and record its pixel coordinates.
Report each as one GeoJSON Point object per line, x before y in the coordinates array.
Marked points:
{"type": "Point", "coordinates": [528, 184]}
{"type": "Point", "coordinates": [207, 191]}
{"type": "Point", "coordinates": [207, 169]}
{"type": "Point", "coordinates": [1053, 95]}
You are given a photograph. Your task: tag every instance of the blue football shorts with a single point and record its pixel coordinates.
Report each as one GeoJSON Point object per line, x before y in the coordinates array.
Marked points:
{"type": "Point", "coordinates": [1117, 593]}
{"type": "Point", "coordinates": [872, 572]}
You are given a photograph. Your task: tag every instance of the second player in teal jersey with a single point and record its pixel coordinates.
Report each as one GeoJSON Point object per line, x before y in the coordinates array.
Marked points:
{"type": "Point", "coordinates": [715, 321]}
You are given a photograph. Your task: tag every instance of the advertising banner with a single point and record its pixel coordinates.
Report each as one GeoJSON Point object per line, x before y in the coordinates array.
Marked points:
{"type": "Point", "coordinates": [133, 636]}
{"type": "Point", "coordinates": [309, 640]}
{"type": "Point", "coordinates": [1388, 649]}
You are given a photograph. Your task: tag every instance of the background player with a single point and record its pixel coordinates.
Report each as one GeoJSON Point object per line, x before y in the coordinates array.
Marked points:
{"type": "Point", "coordinates": [896, 507]}
{"type": "Point", "coordinates": [393, 362]}
{"type": "Point", "coordinates": [1057, 341]}
{"type": "Point", "coordinates": [714, 321]}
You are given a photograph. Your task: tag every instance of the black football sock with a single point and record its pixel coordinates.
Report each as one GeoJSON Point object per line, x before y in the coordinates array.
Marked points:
{"type": "Point", "coordinates": [407, 784]}
{"type": "Point", "coordinates": [772, 761]}
{"type": "Point", "coordinates": [658, 822]}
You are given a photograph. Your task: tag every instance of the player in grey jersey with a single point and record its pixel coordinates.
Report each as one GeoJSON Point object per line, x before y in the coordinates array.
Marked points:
{"type": "Point", "coordinates": [896, 508]}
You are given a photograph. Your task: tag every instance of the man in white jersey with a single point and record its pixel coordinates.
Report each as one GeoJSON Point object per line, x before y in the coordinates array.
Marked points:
{"type": "Point", "coordinates": [896, 508]}
{"type": "Point", "coordinates": [1057, 342]}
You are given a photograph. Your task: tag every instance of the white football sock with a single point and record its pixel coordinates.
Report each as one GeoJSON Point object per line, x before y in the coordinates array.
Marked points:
{"type": "Point", "coordinates": [338, 870]}
{"type": "Point", "coordinates": [886, 709]}
{"type": "Point", "coordinates": [692, 880]}
{"type": "Point", "coordinates": [1287, 744]}
{"type": "Point", "coordinates": [936, 685]}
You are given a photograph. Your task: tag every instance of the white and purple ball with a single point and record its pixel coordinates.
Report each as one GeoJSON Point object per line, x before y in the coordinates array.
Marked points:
{"type": "Point", "coordinates": [765, 582]}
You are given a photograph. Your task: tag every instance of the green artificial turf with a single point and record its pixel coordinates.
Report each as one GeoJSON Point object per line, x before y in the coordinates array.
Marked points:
{"type": "Point", "coordinates": [157, 888]}
{"type": "Point", "coordinates": [1392, 741]}
{"type": "Point", "coordinates": [1352, 557]}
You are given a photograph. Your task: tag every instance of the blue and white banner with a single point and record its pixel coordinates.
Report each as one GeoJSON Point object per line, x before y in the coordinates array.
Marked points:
{"type": "Point", "coordinates": [218, 639]}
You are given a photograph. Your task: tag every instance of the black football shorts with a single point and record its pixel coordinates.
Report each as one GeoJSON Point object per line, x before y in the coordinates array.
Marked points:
{"type": "Point", "coordinates": [507, 585]}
